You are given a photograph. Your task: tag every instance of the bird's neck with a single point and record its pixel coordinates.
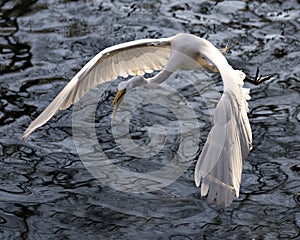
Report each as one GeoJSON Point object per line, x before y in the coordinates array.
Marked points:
{"type": "Point", "coordinates": [160, 77]}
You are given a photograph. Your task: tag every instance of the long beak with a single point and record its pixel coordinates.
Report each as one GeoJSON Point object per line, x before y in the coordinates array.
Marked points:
{"type": "Point", "coordinates": [119, 95]}
{"type": "Point", "coordinates": [118, 101]}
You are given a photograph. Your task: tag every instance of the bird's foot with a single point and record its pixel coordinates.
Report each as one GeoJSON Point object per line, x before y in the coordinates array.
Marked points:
{"type": "Point", "coordinates": [258, 79]}
{"type": "Point", "coordinates": [225, 49]}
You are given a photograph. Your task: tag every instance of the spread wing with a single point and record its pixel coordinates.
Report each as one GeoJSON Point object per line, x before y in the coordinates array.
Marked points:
{"type": "Point", "coordinates": [219, 167]}
{"type": "Point", "coordinates": [131, 58]}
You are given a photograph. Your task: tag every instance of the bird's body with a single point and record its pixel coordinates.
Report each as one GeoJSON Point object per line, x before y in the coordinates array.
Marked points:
{"type": "Point", "coordinates": [219, 167]}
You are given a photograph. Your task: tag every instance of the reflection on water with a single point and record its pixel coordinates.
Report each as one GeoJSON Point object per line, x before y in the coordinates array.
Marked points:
{"type": "Point", "coordinates": [46, 192]}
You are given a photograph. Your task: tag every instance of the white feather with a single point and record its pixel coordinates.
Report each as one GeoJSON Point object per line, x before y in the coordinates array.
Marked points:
{"type": "Point", "coordinates": [132, 58]}
{"type": "Point", "coordinates": [219, 167]}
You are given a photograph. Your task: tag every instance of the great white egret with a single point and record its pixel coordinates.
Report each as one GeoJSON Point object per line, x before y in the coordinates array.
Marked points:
{"type": "Point", "coordinates": [219, 167]}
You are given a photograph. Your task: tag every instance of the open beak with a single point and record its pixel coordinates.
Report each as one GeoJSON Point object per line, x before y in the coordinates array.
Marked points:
{"type": "Point", "coordinates": [118, 101]}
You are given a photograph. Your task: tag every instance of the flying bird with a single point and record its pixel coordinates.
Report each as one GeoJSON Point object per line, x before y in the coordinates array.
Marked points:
{"type": "Point", "coordinates": [219, 167]}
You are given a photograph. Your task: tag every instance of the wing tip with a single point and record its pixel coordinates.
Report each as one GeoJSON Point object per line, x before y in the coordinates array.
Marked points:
{"type": "Point", "coordinates": [216, 191]}
{"type": "Point", "coordinates": [26, 134]}
{"type": "Point", "coordinates": [197, 181]}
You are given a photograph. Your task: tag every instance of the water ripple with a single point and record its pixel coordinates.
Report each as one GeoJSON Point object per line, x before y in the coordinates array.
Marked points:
{"type": "Point", "coordinates": [45, 190]}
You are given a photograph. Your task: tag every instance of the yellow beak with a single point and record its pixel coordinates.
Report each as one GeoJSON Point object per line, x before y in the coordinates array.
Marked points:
{"type": "Point", "coordinates": [118, 101]}
{"type": "Point", "coordinates": [119, 95]}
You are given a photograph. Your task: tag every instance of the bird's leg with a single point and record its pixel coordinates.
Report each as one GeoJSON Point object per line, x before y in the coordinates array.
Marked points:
{"type": "Point", "coordinates": [258, 79]}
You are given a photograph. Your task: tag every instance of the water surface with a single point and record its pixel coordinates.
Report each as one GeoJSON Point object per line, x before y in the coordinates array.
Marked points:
{"type": "Point", "coordinates": [45, 190]}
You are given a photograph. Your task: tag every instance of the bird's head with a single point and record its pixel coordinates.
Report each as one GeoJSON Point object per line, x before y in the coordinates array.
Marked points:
{"type": "Point", "coordinates": [123, 88]}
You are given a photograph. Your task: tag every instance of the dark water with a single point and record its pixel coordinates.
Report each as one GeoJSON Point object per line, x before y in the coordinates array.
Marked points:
{"type": "Point", "coordinates": [45, 190]}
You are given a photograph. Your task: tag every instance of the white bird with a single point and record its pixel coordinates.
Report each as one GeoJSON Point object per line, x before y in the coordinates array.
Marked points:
{"type": "Point", "coordinates": [219, 167]}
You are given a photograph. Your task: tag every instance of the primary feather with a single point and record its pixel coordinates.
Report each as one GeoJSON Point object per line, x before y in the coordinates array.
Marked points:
{"type": "Point", "coordinates": [132, 58]}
